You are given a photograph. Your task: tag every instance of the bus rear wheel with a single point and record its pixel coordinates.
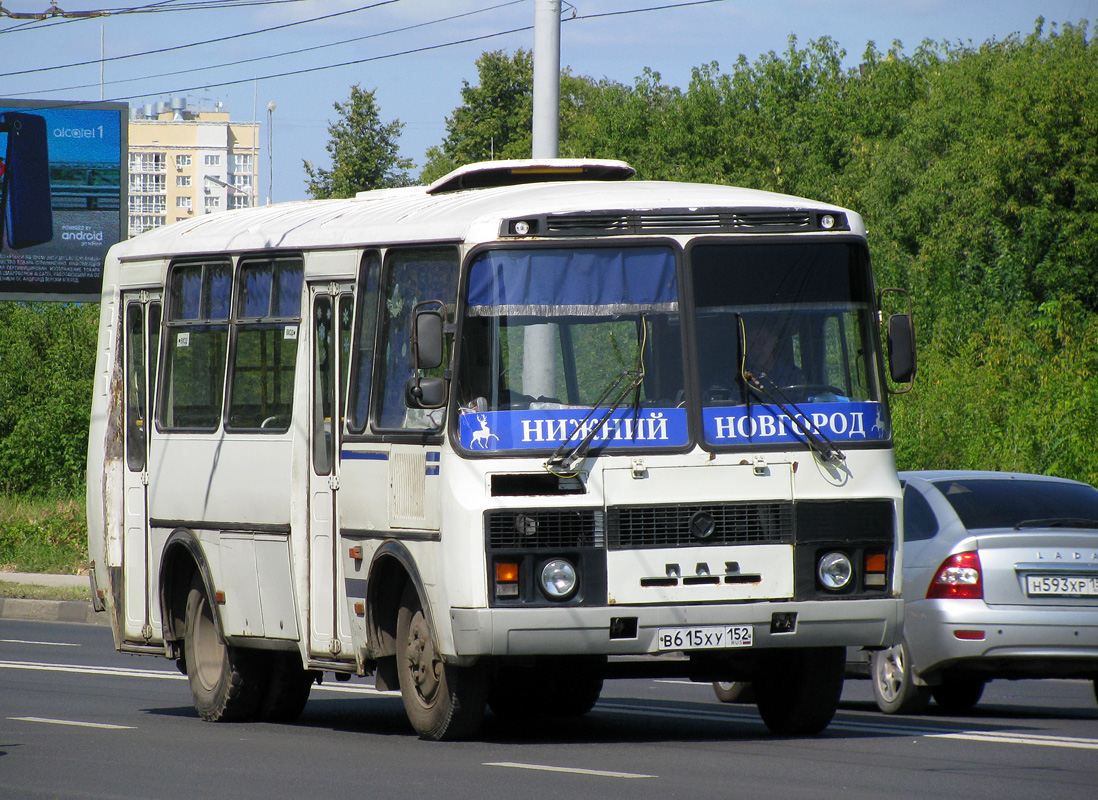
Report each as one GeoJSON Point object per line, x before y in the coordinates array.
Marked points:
{"type": "Point", "coordinates": [287, 689]}
{"type": "Point", "coordinates": [798, 691]}
{"type": "Point", "coordinates": [226, 682]}
{"type": "Point", "coordinates": [566, 687]}
{"type": "Point", "coordinates": [442, 701]}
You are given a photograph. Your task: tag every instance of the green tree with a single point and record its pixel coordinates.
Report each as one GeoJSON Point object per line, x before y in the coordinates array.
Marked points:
{"type": "Point", "coordinates": [496, 115]}
{"type": "Point", "coordinates": [365, 152]}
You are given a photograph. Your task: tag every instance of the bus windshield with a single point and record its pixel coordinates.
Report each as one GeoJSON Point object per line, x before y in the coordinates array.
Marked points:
{"type": "Point", "coordinates": [554, 339]}
{"type": "Point", "coordinates": [558, 343]}
{"type": "Point", "coordinates": [785, 339]}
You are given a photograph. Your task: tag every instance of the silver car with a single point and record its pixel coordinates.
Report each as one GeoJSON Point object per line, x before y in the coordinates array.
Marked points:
{"type": "Point", "coordinates": [1000, 580]}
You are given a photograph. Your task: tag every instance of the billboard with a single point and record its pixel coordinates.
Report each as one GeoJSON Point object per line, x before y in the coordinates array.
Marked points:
{"type": "Point", "coordinates": [63, 190]}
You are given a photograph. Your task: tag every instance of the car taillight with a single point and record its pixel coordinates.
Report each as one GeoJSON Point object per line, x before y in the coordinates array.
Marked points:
{"type": "Point", "coordinates": [957, 578]}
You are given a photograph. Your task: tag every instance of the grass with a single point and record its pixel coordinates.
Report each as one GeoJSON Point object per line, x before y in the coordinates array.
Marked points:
{"type": "Point", "coordinates": [30, 591]}
{"type": "Point", "coordinates": [43, 535]}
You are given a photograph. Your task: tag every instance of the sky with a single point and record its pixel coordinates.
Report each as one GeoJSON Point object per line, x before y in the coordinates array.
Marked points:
{"type": "Point", "coordinates": [416, 54]}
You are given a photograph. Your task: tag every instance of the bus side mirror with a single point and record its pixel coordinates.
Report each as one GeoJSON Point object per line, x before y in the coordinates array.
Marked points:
{"type": "Point", "coordinates": [427, 337]}
{"type": "Point", "coordinates": [428, 341]}
{"type": "Point", "coordinates": [26, 208]}
{"type": "Point", "coordinates": [901, 348]}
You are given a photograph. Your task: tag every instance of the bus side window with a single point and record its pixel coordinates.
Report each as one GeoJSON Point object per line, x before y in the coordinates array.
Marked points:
{"type": "Point", "coordinates": [136, 420]}
{"type": "Point", "coordinates": [268, 316]}
{"type": "Point", "coordinates": [362, 348]}
{"type": "Point", "coordinates": [192, 383]}
{"type": "Point", "coordinates": [412, 276]}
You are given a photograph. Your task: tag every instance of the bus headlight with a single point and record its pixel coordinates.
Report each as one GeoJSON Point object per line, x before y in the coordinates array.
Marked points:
{"type": "Point", "coordinates": [835, 571]}
{"type": "Point", "coordinates": [558, 579]}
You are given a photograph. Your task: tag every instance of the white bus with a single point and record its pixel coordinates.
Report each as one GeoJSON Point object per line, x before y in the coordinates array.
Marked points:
{"type": "Point", "coordinates": [496, 440]}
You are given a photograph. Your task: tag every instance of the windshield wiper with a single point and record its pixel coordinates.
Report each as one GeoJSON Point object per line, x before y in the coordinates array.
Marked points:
{"type": "Point", "coordinates": [566, 458]}
{"type": "Point", "coordinates": [815, 439]}
{"type": "Point", "coordinates": [1058, 522]}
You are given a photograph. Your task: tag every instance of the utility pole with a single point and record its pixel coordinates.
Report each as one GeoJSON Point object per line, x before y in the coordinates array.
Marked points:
{"type": "Point", "coordinates": [546, 128]}
{"type": "Point", "coordinates": [539, 366]}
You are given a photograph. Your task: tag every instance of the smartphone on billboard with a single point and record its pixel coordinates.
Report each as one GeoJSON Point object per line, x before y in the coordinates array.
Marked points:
{"type": "Point", "coordinates": [28, 209]}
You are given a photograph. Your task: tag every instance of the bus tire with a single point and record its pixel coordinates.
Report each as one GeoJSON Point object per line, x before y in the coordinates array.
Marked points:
{"type": "Point", "coordinates": [226, 683]}
{"type": "Point", "coordinates": [894, 688]}
{"type": "Point", "coordinates": [568, 688]}
{"type": "Point", "coordinates": [288, 687]}
{"type": "Point", "coordinates": [443, 702]}
{"type": "Point", "coordinates": [798, 691]}
{"type": "Point", "coordinates": [734, 691]}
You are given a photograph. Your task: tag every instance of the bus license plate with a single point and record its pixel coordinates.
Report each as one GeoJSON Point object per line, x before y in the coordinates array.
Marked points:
{"type": "Point", "coordinates": [1061, 585]}
{"type": "Point", "coordinates": [705, 638]}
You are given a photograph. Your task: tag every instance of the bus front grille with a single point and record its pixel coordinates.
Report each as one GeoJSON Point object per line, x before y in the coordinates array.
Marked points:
{"type": "Point", "coordinates": [539, 528]}
{"type": "Point", "coordinates": [699, 524]}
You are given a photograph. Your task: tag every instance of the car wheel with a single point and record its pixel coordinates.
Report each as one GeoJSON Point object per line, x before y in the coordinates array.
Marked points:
{"type": "Point", "coordinates": [957, 695]}
{"type": "Point", "coordinates": [734, 691]}
{"type": "Point", "coordinates": [894, 688]}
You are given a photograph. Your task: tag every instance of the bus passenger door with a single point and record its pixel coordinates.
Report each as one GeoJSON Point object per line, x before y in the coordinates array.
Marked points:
{"type": "Point", "coordinates": [332, 312]}
{"type": "Point", "coordinates": [141, 325]}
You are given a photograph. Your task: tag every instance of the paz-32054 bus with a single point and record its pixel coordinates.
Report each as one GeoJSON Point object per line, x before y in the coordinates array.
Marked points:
{"type": "Point", "coordinates": [496, 440]}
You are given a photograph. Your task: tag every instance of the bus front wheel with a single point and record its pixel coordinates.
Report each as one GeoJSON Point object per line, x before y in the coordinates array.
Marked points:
{"type": "Point", "coordinates": [443, 702]}
{"type": "Point", "coordinates": [798, 691]}
{"type": "Point", "coordinates": [226, 683]}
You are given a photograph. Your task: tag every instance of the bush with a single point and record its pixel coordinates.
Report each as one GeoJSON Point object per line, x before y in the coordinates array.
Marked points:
{"type": "Point", "coordinates": [47, 363]}
{"type": "Point", "coordinates": [48, 536]}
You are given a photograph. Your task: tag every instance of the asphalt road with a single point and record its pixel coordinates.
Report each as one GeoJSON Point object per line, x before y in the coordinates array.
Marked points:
{"type": "Point", "coordinates": [78, 720]}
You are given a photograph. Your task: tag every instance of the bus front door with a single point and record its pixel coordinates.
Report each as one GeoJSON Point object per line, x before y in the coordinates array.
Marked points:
{"type": "Point", "coordinates": [332, 311]}
{"type": "Point", "coordinates": [141, 325]}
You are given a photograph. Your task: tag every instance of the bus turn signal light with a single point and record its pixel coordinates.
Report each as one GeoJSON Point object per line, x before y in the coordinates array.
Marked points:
{"type": "Point", "coordinates": [507, 575]}
{"type": "Point", "coordinates": [876, 565]}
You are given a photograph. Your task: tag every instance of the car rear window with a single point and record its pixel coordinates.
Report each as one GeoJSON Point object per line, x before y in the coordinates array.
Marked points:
{"type": "Point", "coordinates": [1007, 502]}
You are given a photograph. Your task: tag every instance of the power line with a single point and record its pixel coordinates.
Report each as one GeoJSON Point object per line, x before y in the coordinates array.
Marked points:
{"type": "Point", "coordinates": [241, 62]}
{"type": "Point", "coordinates": [218, 40]}
{"type": "Point", "coordinates": [413, 51]}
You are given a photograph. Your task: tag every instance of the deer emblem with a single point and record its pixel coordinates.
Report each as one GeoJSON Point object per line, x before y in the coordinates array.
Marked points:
{"type": "Point", "coordinates": [483, 436]}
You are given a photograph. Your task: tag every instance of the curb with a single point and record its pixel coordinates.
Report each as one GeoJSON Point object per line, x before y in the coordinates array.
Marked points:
{"type": "Point", "coordinates": [51, 611]}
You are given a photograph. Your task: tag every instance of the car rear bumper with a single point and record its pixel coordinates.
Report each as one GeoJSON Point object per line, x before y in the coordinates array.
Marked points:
{"type": "Point", "coordinates": [1001, 641]}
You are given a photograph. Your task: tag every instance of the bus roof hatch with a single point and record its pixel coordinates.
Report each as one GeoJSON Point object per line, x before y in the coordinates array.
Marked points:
{"type": "Point", "coordinates": [512, 172]}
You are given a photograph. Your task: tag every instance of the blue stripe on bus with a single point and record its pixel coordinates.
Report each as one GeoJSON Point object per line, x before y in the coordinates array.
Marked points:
{"type": "Point", "coordinates": [432, 470]}
{"type": "Point", "coordinates": [434, 455]}
{"type": "Point", "coordinates": [358, 455]}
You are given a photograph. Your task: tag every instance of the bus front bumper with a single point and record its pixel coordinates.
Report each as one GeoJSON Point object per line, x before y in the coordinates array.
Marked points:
{"type": "Point", "coordinates": [633, 630]}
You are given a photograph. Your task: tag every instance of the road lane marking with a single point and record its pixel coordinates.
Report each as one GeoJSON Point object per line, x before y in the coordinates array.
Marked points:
{"type": "Point", "coordinates": [86, 669]}
{"type": "Point", "coordinates": [74, 723]}
{"type": "Point", "coordinates": [997, 737]}
{"type": "Point", "coordinates": [44, 644]}
{"type": "Point", "coordinates": [715, 715]}
{"type": "Point", "coordinates": [357, 689]}
{"type": "Point", "coordinates": [122, 672]}
{"type": "Point", "coordinates": [571, 770]}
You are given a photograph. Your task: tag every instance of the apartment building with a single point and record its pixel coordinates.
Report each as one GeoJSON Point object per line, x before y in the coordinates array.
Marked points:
{"type": "Point", "coordinates": [186, 161]}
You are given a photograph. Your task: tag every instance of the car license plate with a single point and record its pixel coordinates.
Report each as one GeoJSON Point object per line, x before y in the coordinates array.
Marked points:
{"type": "Point", "coordinates": [711, 637]}
{"type": "Point", "coordinates": [1061, 585]}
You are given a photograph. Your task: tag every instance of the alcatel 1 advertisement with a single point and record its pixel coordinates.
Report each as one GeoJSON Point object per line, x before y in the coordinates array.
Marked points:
{"type": "Point", "coordinates": [62, 195]}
